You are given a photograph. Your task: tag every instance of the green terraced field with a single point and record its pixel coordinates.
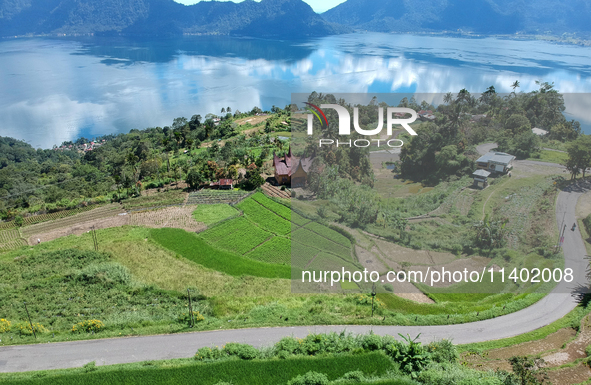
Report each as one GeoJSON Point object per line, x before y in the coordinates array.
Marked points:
{"type": "Point", "coordinates": [264, 218]}
{"type": "Point", "coordinates": [310, 238]}
{"type": "Point", "coordinates": [237, 235]}
{"type": "Point", "coordinates": [275, 250]}
{"type": "Point", "coordinates": [329, 233]}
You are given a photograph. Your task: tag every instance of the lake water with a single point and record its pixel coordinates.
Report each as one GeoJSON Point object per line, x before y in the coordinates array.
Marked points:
{"type": "Point", "coordinates": [52, 90]}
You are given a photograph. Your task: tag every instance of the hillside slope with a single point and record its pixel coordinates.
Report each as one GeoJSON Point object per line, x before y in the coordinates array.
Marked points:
{"type": "Point", "coordinates": [478, 16]}
{"type": "Point", "coordinates": [268, 18]}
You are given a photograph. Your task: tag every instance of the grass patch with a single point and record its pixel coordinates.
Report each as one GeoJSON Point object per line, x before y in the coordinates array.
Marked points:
{"type": "Point", "coordinates": [64, 287]}
{"type": "Point", "coordinates": [197, 250]}
{"type": "Point", "coordinates": [552, 157]}
{"type": "Point", "coordinates": [236, 372]}
{"type": "Point", "coordinates": [210, 214]}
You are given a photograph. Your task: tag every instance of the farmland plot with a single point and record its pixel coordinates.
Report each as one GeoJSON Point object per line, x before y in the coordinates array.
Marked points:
{"type": "Point", "coordinates": [301, 254]}
{"type": "Point", "coordinates": [309, 238]}
{"type": "Point", "coordinates": [95, 214]}
{"type": "Point", "coordinates": [178, 217]}
{"type": "Point", "coordinates": [33, 219]}
{"type": "Point", "coordinates": [327, 262]}
{"type": "Point", "coordinates": [13, 244]}
{"type": "Point", "coordinates": [237, 235]}
{"type": "Point", "coordinates": [277, 208]}
{"type": "Point", "coordinates": [8, 235]}
{"type": "Point", "coordinates": [265, 218]}
{"type": "Point", "coordinates": [216, 196]}
{"type": "Point", "coordinates": [276, 250]}
{"type": "Point", "coordinates": [329, 233]}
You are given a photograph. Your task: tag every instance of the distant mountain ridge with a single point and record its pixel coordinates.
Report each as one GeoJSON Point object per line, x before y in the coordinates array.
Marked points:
{"type": "Point", "coordinates": [268, 18]}
{"type": "Point", "coordinates": [292, 18]}
{"type": "Point", "coordinates": [477, 16]}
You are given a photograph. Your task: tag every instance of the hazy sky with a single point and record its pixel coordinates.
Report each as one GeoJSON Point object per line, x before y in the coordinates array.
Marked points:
{"type": "Point", "coordinates": [317, 5]}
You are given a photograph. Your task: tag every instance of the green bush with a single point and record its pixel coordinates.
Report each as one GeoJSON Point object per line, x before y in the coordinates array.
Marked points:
{"type": "Point", "coordinates": [208, 354]}
{"type": "Point", "coordinates": [443, 351]}
{"type": "Point", "coordinates": [310, 378]}
{"type": "Point", "coordinates": [108, 274]}
{"type": "Point", "coordinates": [588, 350]}
{"type": "Point", "coordinates": [355, 376]}
{"type": "Point", "coordinates": [242, 351]}
{"type": "Point", "coordinates": [411, 356]}
{"type": "Point", "coordinates": [587, 223]}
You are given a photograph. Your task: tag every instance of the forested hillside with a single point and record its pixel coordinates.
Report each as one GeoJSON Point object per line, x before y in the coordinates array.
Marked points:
{"type": "Point", "coordinates": [268, 18]}
{"type": "Point", "coordinates": [478, 16]}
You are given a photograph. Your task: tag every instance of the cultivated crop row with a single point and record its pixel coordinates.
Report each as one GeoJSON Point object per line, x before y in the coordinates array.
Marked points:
{"type": "Point", "coordinates": [215, 196]}
{"type": "Point", "coordinates": [33, 219]}
{"type": "Point", "coordinates": [8, 235]}
{"type": "Point", "coordinates": [177, 217]}
{"type": "Point", "coordinates": [329, 233]}
{"type": "Point", "coordinates": [277, 208]}
{"type": "Point", "coordinates": [13, 244]}
{"type": "Point", "coordinates": [266, 219]}
{"type": "Point", "coordinates": [98, 213]}
{"type": "Point", "coordinates": [237, 235]}
{"type": "Point", "coordinates": [302, 254]}
{"type": "Point", "coordinates": [309, 238]}
{"type": "Point", "coordinates": [276, 250]}
{"type": "Point", "coordinates": [328, 262]}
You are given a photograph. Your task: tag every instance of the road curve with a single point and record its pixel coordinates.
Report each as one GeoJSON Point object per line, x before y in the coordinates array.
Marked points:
{"type": "Point", "coordinates": [134, 349]}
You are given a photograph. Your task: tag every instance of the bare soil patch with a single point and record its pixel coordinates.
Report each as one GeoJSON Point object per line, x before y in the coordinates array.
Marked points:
{"type": "Point", "coordinates": [178, 217]}
{"type": "Point", "coordinates": [398, 254]}
{"type": "Point", "coordinates": [550, 349]}
{"type": "Point", "coordinates": [370, 261]}
{"type": "Point", "coordinates": [471, 264]}
{"type": "Point", "coordinates": [80, 228]}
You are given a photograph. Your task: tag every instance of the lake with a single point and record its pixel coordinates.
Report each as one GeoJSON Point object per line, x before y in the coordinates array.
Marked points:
{"type": "Point", "coordinates": [58, 89]}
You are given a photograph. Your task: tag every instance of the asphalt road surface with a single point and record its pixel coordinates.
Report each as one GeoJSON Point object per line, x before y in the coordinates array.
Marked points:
{"type": "Point", "coordinates": [134, 349]}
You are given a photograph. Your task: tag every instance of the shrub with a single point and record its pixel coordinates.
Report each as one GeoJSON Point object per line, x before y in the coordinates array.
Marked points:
{"type": "Point", "coordinates": [287, 346]}
{"type": "Point", "coordinates": [186, 318]}
{"type": "Point", "coordinates": [587, 349]}
{"type": "Point", "coordinates": [443, 351]}
{"type": "Point", "coordinates": [587, 223]}
{"type": "Point", "coordinates": [108, 274]}
{"type": "Point", "coordinates": [208, 354]}
{"type": "Point", "coordinates": [19, 221]}
{"type": "Point", "coordinates": [242, 351]}
{"type": "Point", "coordinates": [88, 326]}
{"type": "Point", "coordinates": [310, 378]}
{"type": "Point", "coordinates": [4, 325]}
{"type": "Point", "coordinates": [25, 329]}
{"type": "Point", "coordinates": [356, 376]}
{"type": "Point", "coordinates": [371, 342]}
{"type": "Point", "coordinates": [411, 356]}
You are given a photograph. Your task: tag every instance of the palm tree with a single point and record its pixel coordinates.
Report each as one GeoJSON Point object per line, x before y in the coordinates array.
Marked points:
{"type": "Point", "coordinates": [515, 85]}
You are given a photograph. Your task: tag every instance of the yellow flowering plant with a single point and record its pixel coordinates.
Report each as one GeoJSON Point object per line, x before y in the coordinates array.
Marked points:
{"type": "Point", "coordinates": [88, 326]}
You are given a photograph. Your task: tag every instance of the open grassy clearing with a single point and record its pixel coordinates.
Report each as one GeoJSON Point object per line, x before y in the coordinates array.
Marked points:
{"type": "Point", "coordinates": [213, 213]}
{"type": "Point", "coordinates": [552, 157]}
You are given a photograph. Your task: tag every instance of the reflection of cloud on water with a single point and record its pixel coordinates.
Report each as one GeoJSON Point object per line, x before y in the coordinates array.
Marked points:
{"type": "Point", "coordinates": [59, 96]}
{"type": "Point", "coordinates": [53, 119]}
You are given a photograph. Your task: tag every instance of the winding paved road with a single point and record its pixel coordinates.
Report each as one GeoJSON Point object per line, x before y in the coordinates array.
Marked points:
{"type": "Point", "coordinates": [133, 349]}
